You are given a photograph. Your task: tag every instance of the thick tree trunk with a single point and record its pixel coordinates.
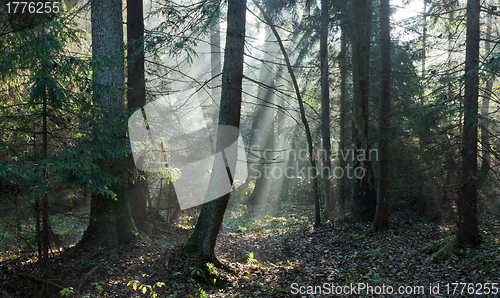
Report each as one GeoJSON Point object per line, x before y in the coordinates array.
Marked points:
{"type": "Point", "coordinates": [364, 196]}
{"type": "Point", "coordinates": [137, 189]}
{"type": "Point", "coordinates": [382, 213]}
{"type": "Point", "coordinates": [468, 232]}
{"type": "Point", "coordinates": [110, 221]}
{"type": "Point", "coordinates": [325, 109]}
{"type": "Point", "coordinates": [202, 240]}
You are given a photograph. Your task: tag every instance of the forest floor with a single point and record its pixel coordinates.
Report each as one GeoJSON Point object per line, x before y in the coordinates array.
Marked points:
{"type": "Point", "coordinates": [270, 255]}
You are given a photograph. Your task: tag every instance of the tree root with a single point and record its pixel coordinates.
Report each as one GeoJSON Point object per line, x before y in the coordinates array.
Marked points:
{"type": "Point", "coordinates": [37, 279]}
{"type": "Point", "coordinates": [85, 278]}
{"type": "Point", "coordinates": [205, 273]}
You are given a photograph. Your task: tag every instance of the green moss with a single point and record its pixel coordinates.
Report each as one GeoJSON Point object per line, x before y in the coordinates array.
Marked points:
{"type": "Point", "coordinates": [373, 228]}
{"type": "Point", "coordinates": [192, 244]}
{"type": "Point", "coordinates": [126, 230]}
{"type": "Point", "coordinates": [442, 249]}
{"type": "Point", "coordinates": [111, 222]}
{"type": "Point", "coordinates": [205, 273]}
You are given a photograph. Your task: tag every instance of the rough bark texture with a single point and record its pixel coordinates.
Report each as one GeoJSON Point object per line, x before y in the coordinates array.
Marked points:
{"type": "Point", "coordinates": [107, 52]}
{"type": "Point", "coordinates": [364, 196]}
{"type": "Point", "coordinates": [137, 190]}
{"type": "Point", "coordinates": [325, 108]}
{"type": "Point", "coordinates": [468, 232]}
{"type": "Point", "coordinates": [382, 214]}
{"type": "Point", "coordinates": [202, 240]}
{"type": "Point", "coordinates": [110, 220]}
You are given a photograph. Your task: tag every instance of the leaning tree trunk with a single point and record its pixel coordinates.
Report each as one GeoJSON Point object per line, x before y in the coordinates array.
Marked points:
{"type": "Point", "coordinates": [137, 190]}
{"type": "Point", "coordinates": [325, 108]}
{"type": "Point", "coordinates": [343, 114]}
{"type": "Point", "coordinates": [312, 159]}
{"type": "Point", "coordinates": [382, 213]}
{"type": "Point", "coordinates": [110, 221]}
{"type": "Point", "coordinates": [468, 232]}
{"type": "Point", "coordinates": [262, 133]}
{"type": "Point", "coordinates": [202, 240]}
{"type": "Point", "coordinates": [364, 197]}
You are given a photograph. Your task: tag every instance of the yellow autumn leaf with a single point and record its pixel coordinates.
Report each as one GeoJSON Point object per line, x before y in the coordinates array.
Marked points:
{"type": "Point", "coordinates": [134, 285]}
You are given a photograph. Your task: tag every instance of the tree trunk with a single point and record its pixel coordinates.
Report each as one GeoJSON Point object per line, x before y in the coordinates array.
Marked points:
{"type": "Point", "coordinates": [364, 196]}
{"type": "Point", "coordinates": [343, 114]}
{"type": "Point", "coordinates": [325, 108]}
{"type": "Point", "coordinates": [468, 232]}
{"type": "Point", "coordinates": [382, 213]}
{"type": "Point", "coordinates": [110, 221]}
{"type": "Point", "coordinates": [202, 240]}
{"type": "Point", "coordinates": [424, 40]}
{"type": "Point", "coordinates": [262, 134]}
{"type": "Point", "coordinates": [485, 108]}
{"type": "Point", "coordinates": [45, 200]}
{"type": "Point", "coordinates": [137, 187]}
{"type": "Point", "coordinates": [215, 59]}
{"type": "Point", "coordinates": [269, 22]}
{"type": "Point", "coordinates": [18, 220]}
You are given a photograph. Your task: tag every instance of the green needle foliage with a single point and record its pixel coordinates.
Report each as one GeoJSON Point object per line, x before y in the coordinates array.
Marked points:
{"type": "Point", "coordinates": [51, 133]}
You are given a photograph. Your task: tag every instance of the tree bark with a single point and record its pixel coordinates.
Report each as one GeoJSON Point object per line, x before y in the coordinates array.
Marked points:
{"type": "Point", "coordinates": [137, 187]}
{"type": "Point", "coordinates": [45, 200]}
{"type": "Point", "coordinates": [485, 108]}
{"type": "Point", "coordinates": [382, 213]}
{"type": "Point", "coordinates": [364, 196]}
{"type": "Point", "coordinates": [215, 58]}
{"type": "Point", "coordinates": [343, 113]}
{"type": "Point", "coordinates": [110, 221]}
{"type": "Point", "coordinates": [202, 240]}
{"type": "Point", "coordinates": [325, 108]}
{"type": "Point", "coordinates": [468, 232]}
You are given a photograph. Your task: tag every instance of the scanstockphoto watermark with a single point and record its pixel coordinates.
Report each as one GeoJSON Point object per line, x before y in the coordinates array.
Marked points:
{"type": "Point", "coordinates": [289, 164]}
{"type": "Point", "coordinates": [170, 135]}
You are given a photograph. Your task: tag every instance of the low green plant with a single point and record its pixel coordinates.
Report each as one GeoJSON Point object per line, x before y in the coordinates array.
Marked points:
{"type": "Point", "coordinates": [66, 292]}
{"type": "Point", "coordinates": [206, 274]}
{"type": "Point", "coordinates": [241, 229]}
{"type": "Point", "coordinates": [145, 289]}
{"type": "Point", "coordinates": [199, 293]}
{"type": "Point", "coordinates": [251, 259]}
{"type": "Point", "coordinates": [97, 286]}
